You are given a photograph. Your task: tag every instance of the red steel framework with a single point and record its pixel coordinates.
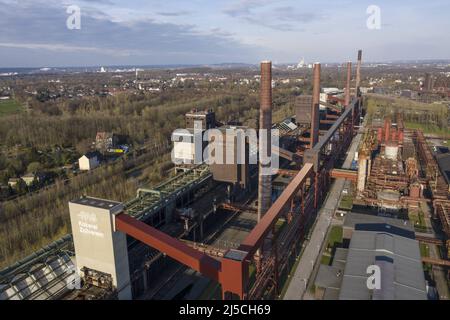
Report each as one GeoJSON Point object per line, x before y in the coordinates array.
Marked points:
{"type": "Point", "coordinates": [297, 203]}
{"type": "Point", "coordinates": [232, 270]}
{"type": "Point", "coordinates": [344, 174]}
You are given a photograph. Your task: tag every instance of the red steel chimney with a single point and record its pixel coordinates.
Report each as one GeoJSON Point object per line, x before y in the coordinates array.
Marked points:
{"type": "Point", "coordinates": [265, 122]}
{"type": "Point", "coordinates": [394, 135]}
{"type": "Point", "coordinates": [380, 135]}
{"type": "Point", "coordinates": [315, 106]}
{"type": "Point", "coordinates": [387, 130]}
{"type": "Point", "coordinates": [358, 73]}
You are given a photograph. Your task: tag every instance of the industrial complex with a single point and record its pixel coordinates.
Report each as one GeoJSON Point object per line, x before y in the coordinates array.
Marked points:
{"type": "Point", "coordinates": [230, 230]}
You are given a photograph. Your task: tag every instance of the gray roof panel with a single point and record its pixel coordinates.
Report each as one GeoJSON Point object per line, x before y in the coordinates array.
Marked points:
{"type": "Point", "coordinates": [400, 264]}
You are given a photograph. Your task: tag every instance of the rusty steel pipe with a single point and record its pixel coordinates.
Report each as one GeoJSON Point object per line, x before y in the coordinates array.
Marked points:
{"type": "Point", "coordinates": [387, 130]}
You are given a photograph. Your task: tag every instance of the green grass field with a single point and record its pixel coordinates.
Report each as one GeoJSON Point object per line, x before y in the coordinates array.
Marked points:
{"type": "Point", "coordinates": [418, 220]}
{"type": "Point", "coordinates": [334, 239]}
{"type": "Point", "coordinates": [424, 250]}
{"type": "Point", "coordinates": [326, 259]}
{"type": "Point", "coordinates": [346, 202]}
{"type": "Point", "coordinates": [9, 107]}
{"type": "Point", "coordinates": [335, 236]}
{"type": "Point", "coordinates": [431, 129]}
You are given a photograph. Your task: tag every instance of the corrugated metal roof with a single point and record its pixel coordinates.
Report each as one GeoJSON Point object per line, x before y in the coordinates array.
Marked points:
{"type": "Point", "coordinates": [329, 277]}
{"type": "Point", "coordinates": [353, 218]}
{"type": "Point", "coordinates": [331, 294]}
{"type": "Point", "coordinates": [387, 290]}
{"type": "Point", "coordinates": [43, 275]}
{"type": "Point", "coordinates": [46, 280]}
{"type": "Point", "coordinates": [402, 278]}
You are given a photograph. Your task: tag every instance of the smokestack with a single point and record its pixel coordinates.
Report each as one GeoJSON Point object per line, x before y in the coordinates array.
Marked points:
{"type": "Point", "coordinates": [387, 130]}
{"type": "Point", "coordinates": [358, 73]}
{"type": "Point", "coordinates": [380, 135]}
{"type": "Point", "coordinates": [315, 106]}
{"type": "Point", "coordinates": [349, 77]}
{"type": "Point", "coordinates": [265, 122]}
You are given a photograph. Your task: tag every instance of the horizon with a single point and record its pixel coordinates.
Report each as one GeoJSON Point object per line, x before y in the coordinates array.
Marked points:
{"type": "Point", "coordinates": [206, 65]}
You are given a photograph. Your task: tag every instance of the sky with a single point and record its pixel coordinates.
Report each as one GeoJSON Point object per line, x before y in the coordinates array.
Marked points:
{"type": "Point", "coordinates": [34, 33]}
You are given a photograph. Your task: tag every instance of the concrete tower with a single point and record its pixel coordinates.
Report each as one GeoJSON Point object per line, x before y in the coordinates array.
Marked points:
{"type": "Point", "coordinates": [98, 246]}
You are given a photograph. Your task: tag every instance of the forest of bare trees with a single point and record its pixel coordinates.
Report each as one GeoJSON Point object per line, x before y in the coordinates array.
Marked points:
{"type": "Point", "coordinates": [32, 221]}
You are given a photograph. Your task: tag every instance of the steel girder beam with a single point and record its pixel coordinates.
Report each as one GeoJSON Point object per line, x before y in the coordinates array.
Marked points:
{"type": "Point", "coordinates": [254, 240]}
{"type": "Point", "coordinates": [314, 155]}
{"type": "Point", "coordinates": [344, 174]}
{"type": "Point", "coordinates": [174, 248]}
{"type": "Point", "coordinates": [435, 241]}
{"type": "Point", "coordinates": [439, 262]}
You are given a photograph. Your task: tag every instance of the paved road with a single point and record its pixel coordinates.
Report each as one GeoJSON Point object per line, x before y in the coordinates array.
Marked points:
{"type": "Point", "coordinates": [302, 274]}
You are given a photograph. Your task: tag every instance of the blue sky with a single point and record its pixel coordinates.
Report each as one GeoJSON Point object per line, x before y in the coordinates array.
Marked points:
{"type": "Point", "coordinates": [147, 32]}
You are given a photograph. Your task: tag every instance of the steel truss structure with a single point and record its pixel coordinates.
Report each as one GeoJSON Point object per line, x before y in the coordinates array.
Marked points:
{"type": "Point", "coordinates": [298, 204]}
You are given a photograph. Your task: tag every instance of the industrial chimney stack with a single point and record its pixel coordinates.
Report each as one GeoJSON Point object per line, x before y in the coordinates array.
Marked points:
{"type": "Point", "coordinates": [265, 123]}
{"type": "Point", "coordinates": [315, 106]}
{"type": "Point", "coordinates": [347, 89]}
{"type": "Point", "coordinates": [358, 73]}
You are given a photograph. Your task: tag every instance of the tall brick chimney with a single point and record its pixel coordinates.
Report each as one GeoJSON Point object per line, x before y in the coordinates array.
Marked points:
{"type": "Point", "coordinates": [358, 73]}
{"type": "Point", "coordinates": [347, 85]}
{"type": "Point", "coordinates": [265, 122]}
{"type": "Point", "coordinates": [315, 106]}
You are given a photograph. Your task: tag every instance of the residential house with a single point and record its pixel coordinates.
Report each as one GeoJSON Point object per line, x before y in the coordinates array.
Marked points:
{"type": "Point", "coordinates": [105, 141]}
{"type": "Point", "coordinates": [29, 178]}
{"type": "Point", "coordinates": [89, 161]}
{"type": "Point", "coordinates": [13, 182]}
